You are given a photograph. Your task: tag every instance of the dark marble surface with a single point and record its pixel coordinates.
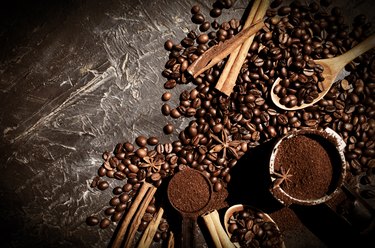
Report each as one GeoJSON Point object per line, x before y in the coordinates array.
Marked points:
{"type": "Point", "coordinates": [77, 77]}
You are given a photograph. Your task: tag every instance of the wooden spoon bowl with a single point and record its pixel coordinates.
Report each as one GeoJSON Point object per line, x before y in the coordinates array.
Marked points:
{"type": "Point", "coordinates": [332, 67]}
{"type": "Point", "coordinates": [239, 207]}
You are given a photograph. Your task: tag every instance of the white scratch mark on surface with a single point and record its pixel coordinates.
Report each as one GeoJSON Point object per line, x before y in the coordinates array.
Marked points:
{"type": "Point", "coordinates": [88, 87]}
{"type": "Point", "coordinates": [65, 146]}
{"type": "Point", "coordinates": [124, 63]}
{"type": "Point", "coordinates": [69, 81]}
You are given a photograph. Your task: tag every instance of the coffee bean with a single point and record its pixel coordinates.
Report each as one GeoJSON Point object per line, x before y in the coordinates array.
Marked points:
{"type": "Point", "coordinates": [128, 147]}
{"type": "Point", "coordinates": [192, 131]}
{"type": "Point", "coordinates": [120, 207]}
{"type": "Point", "coordinates": [195, 9]}
{"type": "Point", "coordinates": [157, 237]}
{"type": "Point", "coordinates": [168, 45]}
{"type": "Point", "coordinates": [170, 84]}
{"type": "Point", "coordinates": [215, 12]}
{"type": "Point", "coordinates": [202, 39]}
{"type": "Point", "coordinates": [141, 141]}
{"type": "Point", "coordinates": [218, 186]}
{"type": "Point", "coordinates": [103, 185]}
{"type": "Point", "coordinates": [271, 131]}
{"type": "Point", "coordinates": [168, 129]}
{"type": "Point", "coordinates": [160, 148]}
{"type": "Point", "coordinates": [117, 190]}
{"type": "Point", "coordinates": [124, 197]}
{"type": "Point", "coordinates": [168, 148]}
{"type": "Point", "coordinates": [217, 128]}
{"type": "Point", "coordinates": [166, 96]}
{"type": "Point", "coordinates": [92, 220]}
{"type": "Point", "coordinates": [109, 211]}
{"type": "Point", "coordinates": [110, 173]}
{"type": "Point", "coordinates": [152, 141]}
{"type": "Point", "coordinates": [259, 101]}
{"type": "Point", "coordinates": [116, 216]}
{"type": "Point", "coordinates": [204, 26]}
{"type": "Point", "coordinates": [187, 42]}
{"type": "Point", "coordinates": [114, 201]}
{"type": "Point", "coordinates": [198, 18]}
{"type": "Point", "coordinates": [175, 113]}
{"type": "Point", "coordinates": [284, 10]}
{"type": "Point", "coordinates": [282, 119]}
{"type": "Point", "coordinates": [141, 152]}
{"type": "Point", "coordinates": [104, 223]}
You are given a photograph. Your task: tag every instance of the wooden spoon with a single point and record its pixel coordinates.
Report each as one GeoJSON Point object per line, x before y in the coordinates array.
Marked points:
{"type": "Point", "coordinates": [189, 217]}
{"type": "Point", "coordinates": [239, 207]}
{"type": "Point", "coordinates": [332, 67]}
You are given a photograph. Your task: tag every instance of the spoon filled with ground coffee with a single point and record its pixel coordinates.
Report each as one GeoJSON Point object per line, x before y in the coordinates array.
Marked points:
{"type": "Point", "coordinates": [189, 192]}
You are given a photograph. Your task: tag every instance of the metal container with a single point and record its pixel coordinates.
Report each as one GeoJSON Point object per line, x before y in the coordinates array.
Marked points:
{"type": "Point", "coordinates": [328, 135]}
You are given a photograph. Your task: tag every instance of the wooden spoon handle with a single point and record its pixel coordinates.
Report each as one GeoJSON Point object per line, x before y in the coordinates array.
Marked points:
{"type": "Point", "coordinates": [188, 232]}
{"type": "Point", "coordinates": [356, 51]}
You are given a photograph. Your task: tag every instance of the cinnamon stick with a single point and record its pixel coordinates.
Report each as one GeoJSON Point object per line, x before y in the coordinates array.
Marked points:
{"type": "Point", "coordinates": [150, 231]}
{"type": "Point", "coordinates": [219, 236]}
{"type": "Point", "coordinates": [231, 78]}
{"type": "Point", "coordinates": [212, 230]}
{"type": "Point", "coordinates": [171, 240]}
{"type": "Point", "coordinates": [218, 52]}
{"type": "Point", "coordinates": [146, 189]}
{"type": "Point", "coordinates": [138, 217]}
{"type": "Point", "coordinates": [233, 55]}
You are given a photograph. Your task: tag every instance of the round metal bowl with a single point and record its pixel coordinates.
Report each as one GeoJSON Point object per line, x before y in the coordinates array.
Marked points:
{"type": "Point", "coordinates": [340, 167]}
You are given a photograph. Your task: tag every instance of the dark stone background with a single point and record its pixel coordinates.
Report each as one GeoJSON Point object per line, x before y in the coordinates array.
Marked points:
{"type": "Point", "coordinates": [77, 77]}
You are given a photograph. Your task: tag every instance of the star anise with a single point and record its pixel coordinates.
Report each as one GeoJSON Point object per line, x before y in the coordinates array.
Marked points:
{"type": "Point", "coordinates": [225, 144]}
{"type": "Point", "coordinates": [283, 176]}
{"type": "Point", "coordinates": [152, 164]}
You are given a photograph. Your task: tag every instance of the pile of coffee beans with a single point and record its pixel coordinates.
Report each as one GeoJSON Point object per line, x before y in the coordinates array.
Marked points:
{"type": "Point", "coordinates": [223, 128]}
{"type": "Point", "coordinates": [252, 228]}
{"type": "Point", "coordinates": [303, 86]}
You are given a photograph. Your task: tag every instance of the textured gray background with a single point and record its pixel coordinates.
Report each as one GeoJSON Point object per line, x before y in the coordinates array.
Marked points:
{"type": "Point", "coordinates": [77, 77]}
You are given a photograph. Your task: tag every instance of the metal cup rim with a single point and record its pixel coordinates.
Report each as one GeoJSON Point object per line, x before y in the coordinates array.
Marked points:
{"type": "Point", "coordinates": [331, 136]}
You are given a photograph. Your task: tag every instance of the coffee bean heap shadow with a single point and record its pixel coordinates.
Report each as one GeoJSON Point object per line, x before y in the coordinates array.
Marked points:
{"type": "Point", "coordinates": [329, 227]}
{"type": "Point", "coordinates": [251, 179]}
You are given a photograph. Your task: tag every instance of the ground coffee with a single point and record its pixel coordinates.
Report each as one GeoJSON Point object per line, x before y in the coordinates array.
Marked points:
{"type": "Point", "coordinates": [189, 191]}
{"type": "Point", "coordinates": [309, 160]}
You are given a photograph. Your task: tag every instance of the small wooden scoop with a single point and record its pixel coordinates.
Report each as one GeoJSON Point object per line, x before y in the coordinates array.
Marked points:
{"type": "Point", "coordinates": [332, 67]}
{"type": "Point", "coordinates": [183, 194]}
{"type": "Point", "coordinates": [239, 207]}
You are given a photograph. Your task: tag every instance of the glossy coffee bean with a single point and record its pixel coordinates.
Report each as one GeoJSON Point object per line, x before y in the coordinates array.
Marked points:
{"type": "Point", "coordinates": [92, 220]}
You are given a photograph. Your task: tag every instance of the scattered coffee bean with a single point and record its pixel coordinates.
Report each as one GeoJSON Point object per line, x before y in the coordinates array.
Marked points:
{"type": "Point", "coordinates": [141, 141]}
{"type": "Point", "coordinates": [215, 12]}
{"type": "Point", "coordinates": [168, 129]}
{"type": "Point", "coordinates": [103, 185]}
{"type": "Point", "coordinates": [104, 223]}
{"type": "Point", "coordinates": [152, 141]}
{"type": "Point", "coordinates": [198, 18]}
{"type": "Point", "coordinates": [92, 220]}
{"type": "Point", "coordinates": [195, 9]}
{"type": "Point", "coordinates": [166, 96]}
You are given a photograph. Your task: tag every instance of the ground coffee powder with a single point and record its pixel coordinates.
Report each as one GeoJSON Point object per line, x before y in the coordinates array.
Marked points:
{"type": "Point", "coordinates": [189, 191]}
{"type": "Point", "coordinates": [311, 160]}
